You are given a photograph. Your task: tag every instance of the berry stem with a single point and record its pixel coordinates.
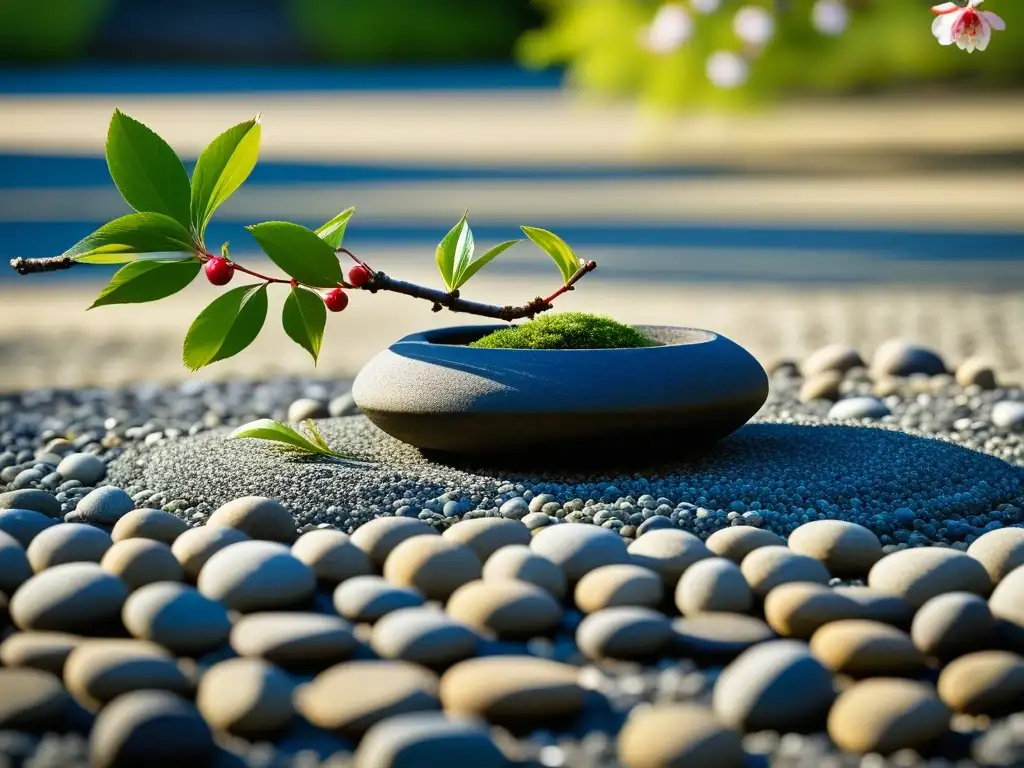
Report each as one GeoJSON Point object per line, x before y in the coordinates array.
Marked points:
{"type": "Point", "coordinates": [238, 267]}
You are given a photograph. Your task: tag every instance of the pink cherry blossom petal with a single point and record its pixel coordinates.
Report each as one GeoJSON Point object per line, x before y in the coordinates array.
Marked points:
{"type": "Point", "coordinates": [994, 21]}
{"type": "Point", "coordinates": [984, 35]}
{"type": "Point", "coordinates": [942, 28]}
{"type": "Point", "coordinates": [945, 8]}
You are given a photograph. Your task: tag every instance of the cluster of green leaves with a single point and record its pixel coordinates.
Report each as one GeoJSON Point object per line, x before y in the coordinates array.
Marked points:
{"type": "Point", "coordinates": [457, 265]}
{"type": "Point", "coordinates": [162, 247]}
{"type": "Point", "coordinates": [162, 243]}
{"type": "Point", "coordinates": [287, 436]}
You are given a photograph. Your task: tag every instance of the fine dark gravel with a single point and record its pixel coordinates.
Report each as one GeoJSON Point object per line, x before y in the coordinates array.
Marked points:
{"type": "Point", "coordinates": [907, 489]}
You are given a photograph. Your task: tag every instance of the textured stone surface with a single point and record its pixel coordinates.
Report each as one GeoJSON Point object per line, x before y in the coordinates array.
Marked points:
{"type": "Point", "coordinates": [509, 608]}
{"type": "Point", "coordinates": [984, 683]}
{"type": "Point", "coordinates": [511, 688]}
{"type": "Point", "coordinates": [885, 715]}
{"type": "Point", "coordinates": [433, 565]}
{"type": "Point", "coordinates": [177, 617]}
{"type": "Point", "coordinates": [428, 738]}
{"type": "Point", "coordinates": [774, 685]}
{"type": "Point", "coordinates": [520, 562]}
{"type": "Point", "coordinates": [846, 549]}
{"type": "Point", "coordinates": [98, 671]}
{"type": "Point", "coordinates": [921, 574]}
{"type": "Point", "coordinates": [256, 576]}
{"type": "Point", "coordinates": [615, 585]}
{"type": "Point", "coordinates": [257, 517]}
{"type": "Point", "coordinates": [248, 697]}
{"type": "Point", "coordinates": [72, 597]}
{"type": "Point", "coordinates": [332, 556]}
{"type": "Point", "coordinates": [387, 688]}
{"type": "Point", "coordinates": [713, 584]}
{"type": "Point", "coordinates": [431, 394]}
{"type": "Point", "coordinates": [862, 648]}
{"type": "Point", "coordinates": [139, 725]}
{"type": "Point", "coordinates": [885, 471]}
{"type": "Point", "coordinates": [31, 698]}
{"type": "Point", "coordinates": [679, 734]}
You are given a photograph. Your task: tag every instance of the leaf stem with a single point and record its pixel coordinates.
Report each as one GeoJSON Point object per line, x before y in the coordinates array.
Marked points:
{"type": "Point", "coordinates": [589, 266]}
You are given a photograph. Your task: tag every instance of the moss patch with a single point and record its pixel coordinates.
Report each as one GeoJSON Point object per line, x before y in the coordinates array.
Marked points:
{"type": "Point", "coordinates": [568, 330]}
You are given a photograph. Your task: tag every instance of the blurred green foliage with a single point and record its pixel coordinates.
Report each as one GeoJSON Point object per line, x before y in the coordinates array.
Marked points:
{"type": "Point", "coordinates": [888, 43]}
{"type": "Point", "coordinates": [410, 31]}
{"type": "Point", "coordinates": [48, 30]}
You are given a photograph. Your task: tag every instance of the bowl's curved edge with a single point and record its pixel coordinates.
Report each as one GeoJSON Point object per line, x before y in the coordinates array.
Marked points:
{"type": "Point", "coordinates": [458, 399]}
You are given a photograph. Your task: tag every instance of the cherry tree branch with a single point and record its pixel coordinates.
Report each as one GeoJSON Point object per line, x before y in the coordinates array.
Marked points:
{"type": "Point", "coordinates": [48, 264]}
{"type": "Point", "coordinates": [378, 282]}
{"type": "Point", "coordinates": [453, 302]}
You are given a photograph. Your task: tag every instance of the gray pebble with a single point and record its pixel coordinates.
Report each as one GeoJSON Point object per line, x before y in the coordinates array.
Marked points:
{"type": "Point", "coordinates": [72, 597]}
{"type": "Point", "coordinates": [83, 467]}
{"type": "Point", "coordinates": [36, 501]}
{"type": "Point", "coordinates": [24, 525]}
{"type": "Point", "coordinates": [152, 728]}
{"type": "Point", "coordinates": [307, 408]}
{"type": "Point", "coordinates": [256, 576]}
{"type": "Point", "coordinates": [777, 685]}
{"type": "Point", "coordinates": [343, 405]}
{"type": "Point", "coordinates": [1008, 414]}
{"type": "Point", "coordinates": [368, 598]}
{"type": "Point", "coordinates": [427, 739]}
{"type": "Point", "coordinates": [858, 408]}
{"type": "Point", "coordinates": [424, 635]}
{"type": "Point", "coordinates": [105, 506]}
{"type": "Point", "coordinates": [177, 617]}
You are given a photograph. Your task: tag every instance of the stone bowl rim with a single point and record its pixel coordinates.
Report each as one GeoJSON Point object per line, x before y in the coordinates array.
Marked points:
{"type": "Point", "coordinates": [429, 338]}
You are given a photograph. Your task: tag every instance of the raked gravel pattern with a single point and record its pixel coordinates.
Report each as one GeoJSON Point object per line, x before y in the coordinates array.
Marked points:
{"type": "Point", "coordinates": [926, 460]}
{"type": "Point", "coordinates": [907, 489]}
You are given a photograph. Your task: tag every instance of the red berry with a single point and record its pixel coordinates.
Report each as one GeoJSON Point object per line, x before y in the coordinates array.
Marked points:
{"type": "Point", "coordinates": [359, 275]}
{"type": "Point", "coordinates": [219, 271]}
{"type": "Point", "coordinates": [336, 300]}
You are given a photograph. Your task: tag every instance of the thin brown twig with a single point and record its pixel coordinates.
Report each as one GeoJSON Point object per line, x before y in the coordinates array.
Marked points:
{"type": "Point", "coordinates": [48, 264]}
{"type": "Point", "coordinates": [454, 303]}
{"type": "Point", "coordinates": [451, 301]}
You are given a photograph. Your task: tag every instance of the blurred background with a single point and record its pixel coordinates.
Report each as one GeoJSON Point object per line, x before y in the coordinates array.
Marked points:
{"type": "Point", "coordinates": [788, 173]}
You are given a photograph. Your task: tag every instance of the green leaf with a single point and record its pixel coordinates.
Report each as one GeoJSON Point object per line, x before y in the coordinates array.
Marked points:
{"type": "Point", "coordinates": [146, 171]}
{"type": "Point", "coordinates": [480, 262]}
{"type": "Point", "coordinates": [128, 237]}
{"type": "Point", "coordinates": [227, 326]}
{"type": "Point", "coordinates": [317, 437]}
{"type": "Point", "coordinates": [299, 252]}
{"type": "Point", "coordinates": [304, 318]}
{"type": "Point", "coordinates": [454, 252]}
{"type": "Point", "coordinates": [559, 250]}
{"type": "Point", "coordinates": [268, 429]}
{"type": "Point", "coordinates": [333, 231]}
{"type": "Point", "coordinates": [142, 281]}
{"type": "Point", "coordinates": [221, 169]}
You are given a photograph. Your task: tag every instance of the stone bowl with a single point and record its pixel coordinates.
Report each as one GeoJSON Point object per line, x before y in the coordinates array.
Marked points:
{"type": "Point", "coordinates": [432, 391]}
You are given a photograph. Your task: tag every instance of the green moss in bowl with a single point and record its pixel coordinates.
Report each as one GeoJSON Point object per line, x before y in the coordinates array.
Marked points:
{"type": "Point", "coordinates": [567, 330]}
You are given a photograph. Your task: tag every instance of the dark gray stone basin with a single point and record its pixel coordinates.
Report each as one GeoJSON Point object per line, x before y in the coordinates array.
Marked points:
{"type": "Point", "coordinates": [431, 390]}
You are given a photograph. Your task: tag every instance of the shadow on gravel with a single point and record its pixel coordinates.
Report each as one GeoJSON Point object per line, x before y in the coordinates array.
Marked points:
{"type": "Point", "coordinates": [754, 447]}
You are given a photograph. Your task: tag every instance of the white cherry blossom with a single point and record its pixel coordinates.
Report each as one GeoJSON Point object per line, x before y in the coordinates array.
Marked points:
{"type": "Point", "coordinates": [968, 28]}
{"type": "Point", "coordinates": [670, 28]}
